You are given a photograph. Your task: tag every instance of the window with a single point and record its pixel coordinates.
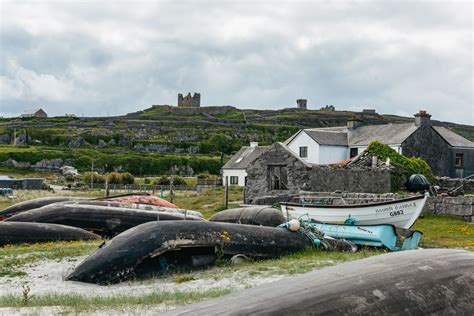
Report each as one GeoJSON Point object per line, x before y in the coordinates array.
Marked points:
{"type": "Point", "coordinates": [304, 152]}
{"type": "Point", "coordinates": [459, 160]}
{"type": "Point", "coordinates": [234, 180]}
{"type": "Point", "coordinates": [354, 152]}
{"type": "Point", "coordinates": [277, 176]}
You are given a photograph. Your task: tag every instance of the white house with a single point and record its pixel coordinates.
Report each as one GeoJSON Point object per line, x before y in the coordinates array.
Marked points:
{"type": "Point", "coordinates": [235, 169]}
{"type": "Point", "coordinates": [334, 144]}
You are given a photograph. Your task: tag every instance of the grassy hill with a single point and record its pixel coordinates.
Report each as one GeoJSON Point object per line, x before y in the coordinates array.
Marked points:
{"type": "Point", "coordinates": [166, 139]}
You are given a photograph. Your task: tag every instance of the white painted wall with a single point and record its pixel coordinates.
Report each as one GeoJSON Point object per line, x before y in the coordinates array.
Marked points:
{"type": "Point", "coordinates": [303, 140]}
{"type": "Point", "coordinates": [332, 154]}
{"type": "Point", "coordinates": [241, 173]}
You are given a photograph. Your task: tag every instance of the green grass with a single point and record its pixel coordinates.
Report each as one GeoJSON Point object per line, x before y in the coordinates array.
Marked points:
{"type": "Point", "coordinates": [14, 257]}
{"type": "Point", "coordinates": [297, 263]}
{"type": "Point", "coordinates": [209, 201]}
{"type": "Point", "coordinates": [81, 303]}
{"type": "Point", "coordinates": [443, 231]}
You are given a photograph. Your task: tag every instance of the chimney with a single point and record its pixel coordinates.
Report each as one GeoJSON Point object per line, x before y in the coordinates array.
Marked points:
{"type": "Point", "coordinates": [422, 118]}
{"type": "Point", "coordinates": [354, 122]}
{"type": "Point", "coordinates": [253, 144]}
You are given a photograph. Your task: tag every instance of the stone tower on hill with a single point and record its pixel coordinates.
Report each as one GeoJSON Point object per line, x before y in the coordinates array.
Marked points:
{"type": "Point", "coordinates": [189, 101]}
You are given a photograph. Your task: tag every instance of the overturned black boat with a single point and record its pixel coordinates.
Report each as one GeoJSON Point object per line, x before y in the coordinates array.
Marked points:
{"type": "Point", "coordinates": [35, 203]}
{"type": "Point", "coordinates": [161, 247]}
{"type": "Point", "coordinates": [102, 220]}
{"type": "Point", "coordinates": [21, 233]}
{"type": "Point", "coordinates": [251, 215]}
{"type": "Point", "coordinates": [137, 206]}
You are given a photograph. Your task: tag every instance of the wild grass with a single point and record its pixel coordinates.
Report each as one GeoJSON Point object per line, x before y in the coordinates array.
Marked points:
{"type": "Point", "coordinates": [14, 257]}
{"type": "Point", "coordinates": [297, 263]}
{"type": "Point", "coordinates": [81, 303]}
{"type": "Point", "coordinates": [25, 195]}
{"type": "Point", "coordinates": [209, 201]}
{"type": "Point", "coordinates": [443, 231]}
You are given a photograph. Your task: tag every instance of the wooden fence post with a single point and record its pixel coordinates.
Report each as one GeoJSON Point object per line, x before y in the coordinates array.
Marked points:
{"type": "Point", "coordinates": [226, 193]}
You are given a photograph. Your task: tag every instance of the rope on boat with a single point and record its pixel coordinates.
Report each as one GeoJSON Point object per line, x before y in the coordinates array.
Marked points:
{"type": "Point", "coordinates": [317, 237]}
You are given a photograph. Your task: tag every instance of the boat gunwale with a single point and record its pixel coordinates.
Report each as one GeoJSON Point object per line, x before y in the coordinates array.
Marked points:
{"type": "Point", "coordinates": [418, 197]}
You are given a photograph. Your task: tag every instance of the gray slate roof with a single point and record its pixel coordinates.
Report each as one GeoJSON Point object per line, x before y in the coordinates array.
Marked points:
{"type": "Point", "coordinates": [390, 134]}
{"type": "Point", "coordinates": [244, 157]}
{"type": "Point", "coordinates": [452, 138]}
{"type": "Point", "coordinates": [386, 133]}
{"type": "Point", "coordinates": [324, 137]}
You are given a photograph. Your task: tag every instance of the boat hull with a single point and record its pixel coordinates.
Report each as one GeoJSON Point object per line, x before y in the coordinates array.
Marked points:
{"type": "Point", "coordinates": [160, 247]}
{"type": "Point", "coordinates": [401, 213]}
{"type": "Point", "coordinates": [102, 220]}
{"type": "Point", "coordinates": [25, 233]}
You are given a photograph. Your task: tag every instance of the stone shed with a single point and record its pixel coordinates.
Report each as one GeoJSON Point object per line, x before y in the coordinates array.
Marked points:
{"type": "Point", "coordinates": [279, 171]}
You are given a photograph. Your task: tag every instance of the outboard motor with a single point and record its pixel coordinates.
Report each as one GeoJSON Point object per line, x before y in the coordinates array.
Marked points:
{"type": "Point", "coordinates": [418, 183]}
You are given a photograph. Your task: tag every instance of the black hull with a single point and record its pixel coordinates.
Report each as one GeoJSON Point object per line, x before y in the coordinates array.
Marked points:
{"type": "Point", "coordinates": [22, 233]}
{"type": "Point", "coordinates": [104, 221]}
{"type": "Point", "coordinates": [254, 215]}
{"type": "Point", "coordinates": [156, 246]}
{"type": "Point", "coordinates": [33, 204]}
{"type": "Point", "coordinates": [416, 282]}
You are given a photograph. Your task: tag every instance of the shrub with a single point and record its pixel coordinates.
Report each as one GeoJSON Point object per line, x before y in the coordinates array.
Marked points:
{"type": "Point", "coordinates": [98, 178]}
{"type": "Point", "coordinates": [179, 181]}
{"type": "Point", "coordinates": [128, 178]}
{"type": "Point", "coordinates": [163, 181]}
{"type": "Point", "coordinates": [114, 178]}
{"type": "Point", "coordinates": [406, 165]}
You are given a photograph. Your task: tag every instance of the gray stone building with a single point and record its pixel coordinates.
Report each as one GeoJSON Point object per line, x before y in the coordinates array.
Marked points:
{"type": "Point", "coordinates": [189, 101]}
{"type": "Point", "coordinates": [38, 112]}
{"type": "Point", "coordinates": [302, 103]}
{"type": "Point", "coordinates": [279, 171]}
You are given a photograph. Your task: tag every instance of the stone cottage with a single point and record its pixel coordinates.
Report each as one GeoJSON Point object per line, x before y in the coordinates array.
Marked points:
{"type": "Point", "coordinates": [448, 153]}
{"type": "Point", "coordinates": [278, 170]}
{"type": "Point", "coordinates": [38, 112]}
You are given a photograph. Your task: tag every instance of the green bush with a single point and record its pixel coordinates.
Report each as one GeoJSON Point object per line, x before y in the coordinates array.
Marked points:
{"type": "Point", "coordinates": [128, 178]}
{"type": "Point", "coordinates": [406, 165]}
{"type": "Point", "coordinates": [179, 181]}
{"type": "Point", "coordinates": [98, 178]}
{"type": "Point", "coordinates": [114, 178]}
{"type": "Point", "coordinates": [163, 181]}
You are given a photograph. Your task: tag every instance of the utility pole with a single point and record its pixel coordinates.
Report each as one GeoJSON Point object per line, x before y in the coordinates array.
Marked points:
{"type": "Point", "coordinates": [92, 175]}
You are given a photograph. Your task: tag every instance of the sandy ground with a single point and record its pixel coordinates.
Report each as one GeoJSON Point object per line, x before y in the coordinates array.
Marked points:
{"type": "Point", "coordinates": [47, 277]}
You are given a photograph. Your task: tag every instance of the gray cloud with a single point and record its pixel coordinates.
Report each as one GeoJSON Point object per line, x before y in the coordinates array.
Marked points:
{"type": "Point", "coordinates": [99, 58]}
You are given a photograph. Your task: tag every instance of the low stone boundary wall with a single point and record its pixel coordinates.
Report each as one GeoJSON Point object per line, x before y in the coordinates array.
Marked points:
{"type": "Point", "coordinates": [23, 184]}
{"type": "Point", "coordinates": [445, 182]}
{"type": "Point", "coordinates": [461, 206]}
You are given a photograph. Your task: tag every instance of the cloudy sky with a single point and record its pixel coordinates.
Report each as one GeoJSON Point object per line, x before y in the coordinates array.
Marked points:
{"type": "Point", "coordinates": [115, 57]}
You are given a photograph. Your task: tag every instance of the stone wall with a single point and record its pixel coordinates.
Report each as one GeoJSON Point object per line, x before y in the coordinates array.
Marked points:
{"type": "Point", "coordinates": [305, 177]}
{"type": "Point", "coordinates": [460, 206]}
{"type": "Point", "coordinates": [445, 182]}
{"type": "Point", "coordinates": [23, 184]}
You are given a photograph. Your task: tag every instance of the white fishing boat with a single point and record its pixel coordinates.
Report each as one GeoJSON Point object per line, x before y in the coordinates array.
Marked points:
{"type": "Point", "coordinates": [400, 212]}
